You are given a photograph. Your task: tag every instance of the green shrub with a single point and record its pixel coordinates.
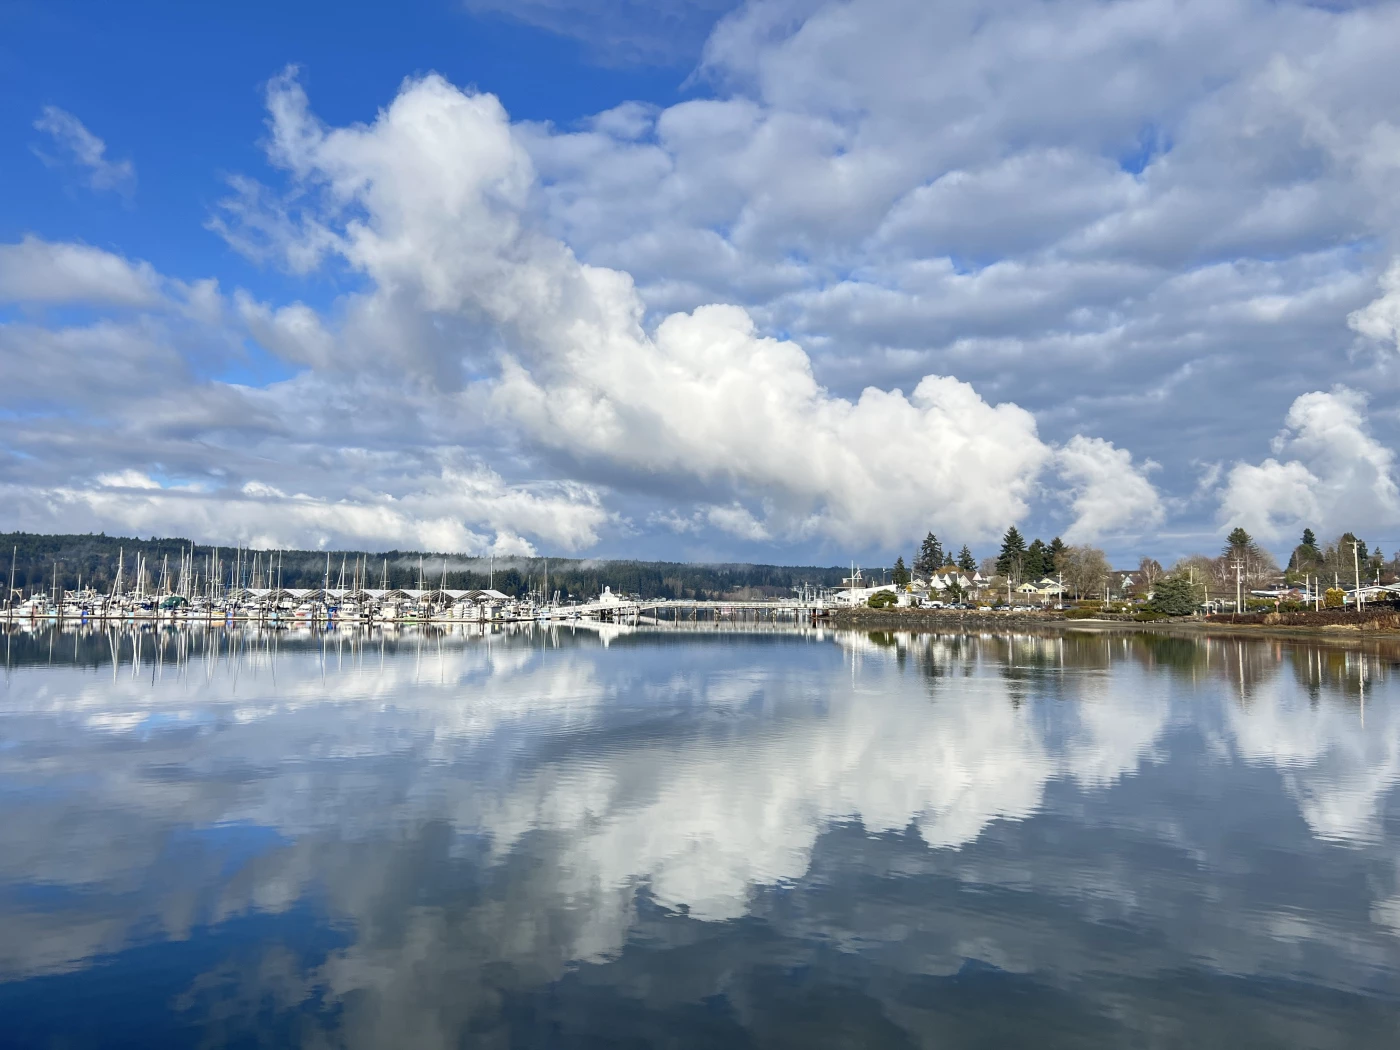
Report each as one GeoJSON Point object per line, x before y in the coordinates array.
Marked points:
{"type": "Point", "coordinates": [1081, 614]}
{"type": "Point", "coordinates": [881, 600]}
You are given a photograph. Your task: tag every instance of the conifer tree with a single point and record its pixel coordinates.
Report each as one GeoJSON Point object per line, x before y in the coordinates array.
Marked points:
{"type": "Point", "coordinates": [966, 562]}
{"type": "Point", "coordinates": [930, 558]}
{"type": "Point", "coordinates": [1239, 544]}
{"type": "Point", "coordinates": [1307, 556]}
{"type": "Point", "coordinates": [1011, 560]}
{"type": "Point", "coordinates": [1037, 560]}
{"type": "Point", "coordinates": [1175, 595]}
{"type": "Point", "coordinates": [900, 575]}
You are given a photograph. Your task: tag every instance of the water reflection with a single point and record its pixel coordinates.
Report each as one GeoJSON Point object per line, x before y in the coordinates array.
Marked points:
{"type": "Point", "coordinates": [538, 836]}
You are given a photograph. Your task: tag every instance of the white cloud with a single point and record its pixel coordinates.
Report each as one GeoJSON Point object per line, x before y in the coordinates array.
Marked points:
{"type": "Point", "coordinates": [127, 479]}
{"type": "Point", "coordinates": [992, 211]}
{"type": "Point", "coordinates": [439, 186]}
{"type": "Point", "coordinates": [1109, 493]}
{"type": "Point", "coordinates": [81, 147]}
{"type": "Point", "coordinates": [460, 509]}
{"type": "Point", "coordinates": [35, 271]}
{"type": "Point", "coordinates": [737, 520]}
{"type": "Point", "coordinates": [1380, 319]}
{"type": "Point", "coordinates": [1338, 477]}
{"type": "Point", "coordinates": [293, 332]}
{"type": "Point", "coordinates": [892, 190]}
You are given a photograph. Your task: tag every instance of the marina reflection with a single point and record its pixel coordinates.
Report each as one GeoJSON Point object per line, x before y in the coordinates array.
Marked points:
{"type": "Point", "coordinates": [404, 836]}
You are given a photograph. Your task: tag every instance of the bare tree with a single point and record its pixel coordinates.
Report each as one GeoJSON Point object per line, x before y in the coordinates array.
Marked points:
{"type": "Point", "coordinates": [1085, 569]}
{"type": "Point", "coordinates": [1212, 575]}
{"type": "Point", "coordinates": [1149, 572]}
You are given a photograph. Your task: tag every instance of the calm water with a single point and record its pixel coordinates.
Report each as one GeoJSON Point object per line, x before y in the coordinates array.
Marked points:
{"type": "Point", "coordinates": [593, 838]}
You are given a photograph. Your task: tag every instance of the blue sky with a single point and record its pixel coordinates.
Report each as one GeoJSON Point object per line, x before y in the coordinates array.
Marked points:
{"type": "Point", "coordinates": [787, 280]}
{"type": "Point", "coordinates": [181, 87]}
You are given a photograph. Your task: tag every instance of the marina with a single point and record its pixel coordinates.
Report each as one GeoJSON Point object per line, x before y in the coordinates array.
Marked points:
{"type": "Point", "coordinates": [249, 590]}
{"type": "Point", "coordinates": [306, 606]}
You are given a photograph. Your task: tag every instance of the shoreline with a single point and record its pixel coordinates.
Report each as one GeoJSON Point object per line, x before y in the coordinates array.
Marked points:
{"type": "Point", "coordinates": [940, 622]}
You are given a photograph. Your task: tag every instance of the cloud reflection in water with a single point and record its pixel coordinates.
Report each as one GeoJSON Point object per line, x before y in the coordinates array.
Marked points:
{"type": "Point", "coordinates": [481, 816]}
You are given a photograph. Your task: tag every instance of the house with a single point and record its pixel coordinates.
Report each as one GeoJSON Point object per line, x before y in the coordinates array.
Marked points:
{"type": "Point", "coordinates": [861, 595]}
{"type": "Point", "coordinates": [856, 592]}
{"type": "Point", "coordinates": [950, 577]}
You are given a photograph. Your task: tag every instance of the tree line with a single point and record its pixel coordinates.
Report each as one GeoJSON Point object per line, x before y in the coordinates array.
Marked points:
{"type": "Point", "coordinates": [1323, 568]}
{"type": "Point", "coordinates": [1085, 570]}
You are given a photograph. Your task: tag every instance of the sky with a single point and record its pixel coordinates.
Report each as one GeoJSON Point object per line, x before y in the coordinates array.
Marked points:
{"type": "Point", "coordinates": [781, 281]}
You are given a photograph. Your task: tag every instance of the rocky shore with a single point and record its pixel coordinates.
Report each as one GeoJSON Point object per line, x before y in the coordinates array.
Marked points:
{"type": "Point", "coordinates": [942, 619]}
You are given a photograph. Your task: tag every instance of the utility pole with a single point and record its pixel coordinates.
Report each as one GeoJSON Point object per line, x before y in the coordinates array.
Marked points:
{"type": "Point", "coordinates": [1239, 591]}
{"type": "Point", "coordinates": [1356, 564]}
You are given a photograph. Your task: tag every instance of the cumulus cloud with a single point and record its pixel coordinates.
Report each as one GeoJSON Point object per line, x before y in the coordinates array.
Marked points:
{"type": "Point", "coordinates": [1086, 263]}
{"type": "Point", "coordinates": [439, 186]}
{"type": "Point", "coordinates": [1109, 493]}
{"type": "Point", "coordinates": [1111, 260]}
{"type": "Point", "coordinates": [80, 147]}
{"type": "Point", "coordinates": [36, 271]}
{"type": "Point", "coordinates": [1328, 472]}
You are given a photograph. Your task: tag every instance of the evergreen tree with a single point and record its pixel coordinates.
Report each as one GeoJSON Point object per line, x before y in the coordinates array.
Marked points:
{"type": "Point", "coordinates": [1347, 556]}
{"type": "Point", "coordinates": [1307, 556]}
{"type": "Point", "coordinates": [966, 562]}
{"type": "Point", "coordinates": [1239, 544]}
{"type": "Point", "coordinates": [1055, 550]}
{"type": "Point", "coordinates": [1254, 562]}
{"type": "Point", "coordinates": [930, 558]}
{"type": "Point", "coordinates": [1011, 560]}
{"type": "Point", "coordinates": [1037, 560]}
{"type": "Point", "coordinates": [1175, 595]}
{"type": "Point", "coordinates": [900, 575]}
